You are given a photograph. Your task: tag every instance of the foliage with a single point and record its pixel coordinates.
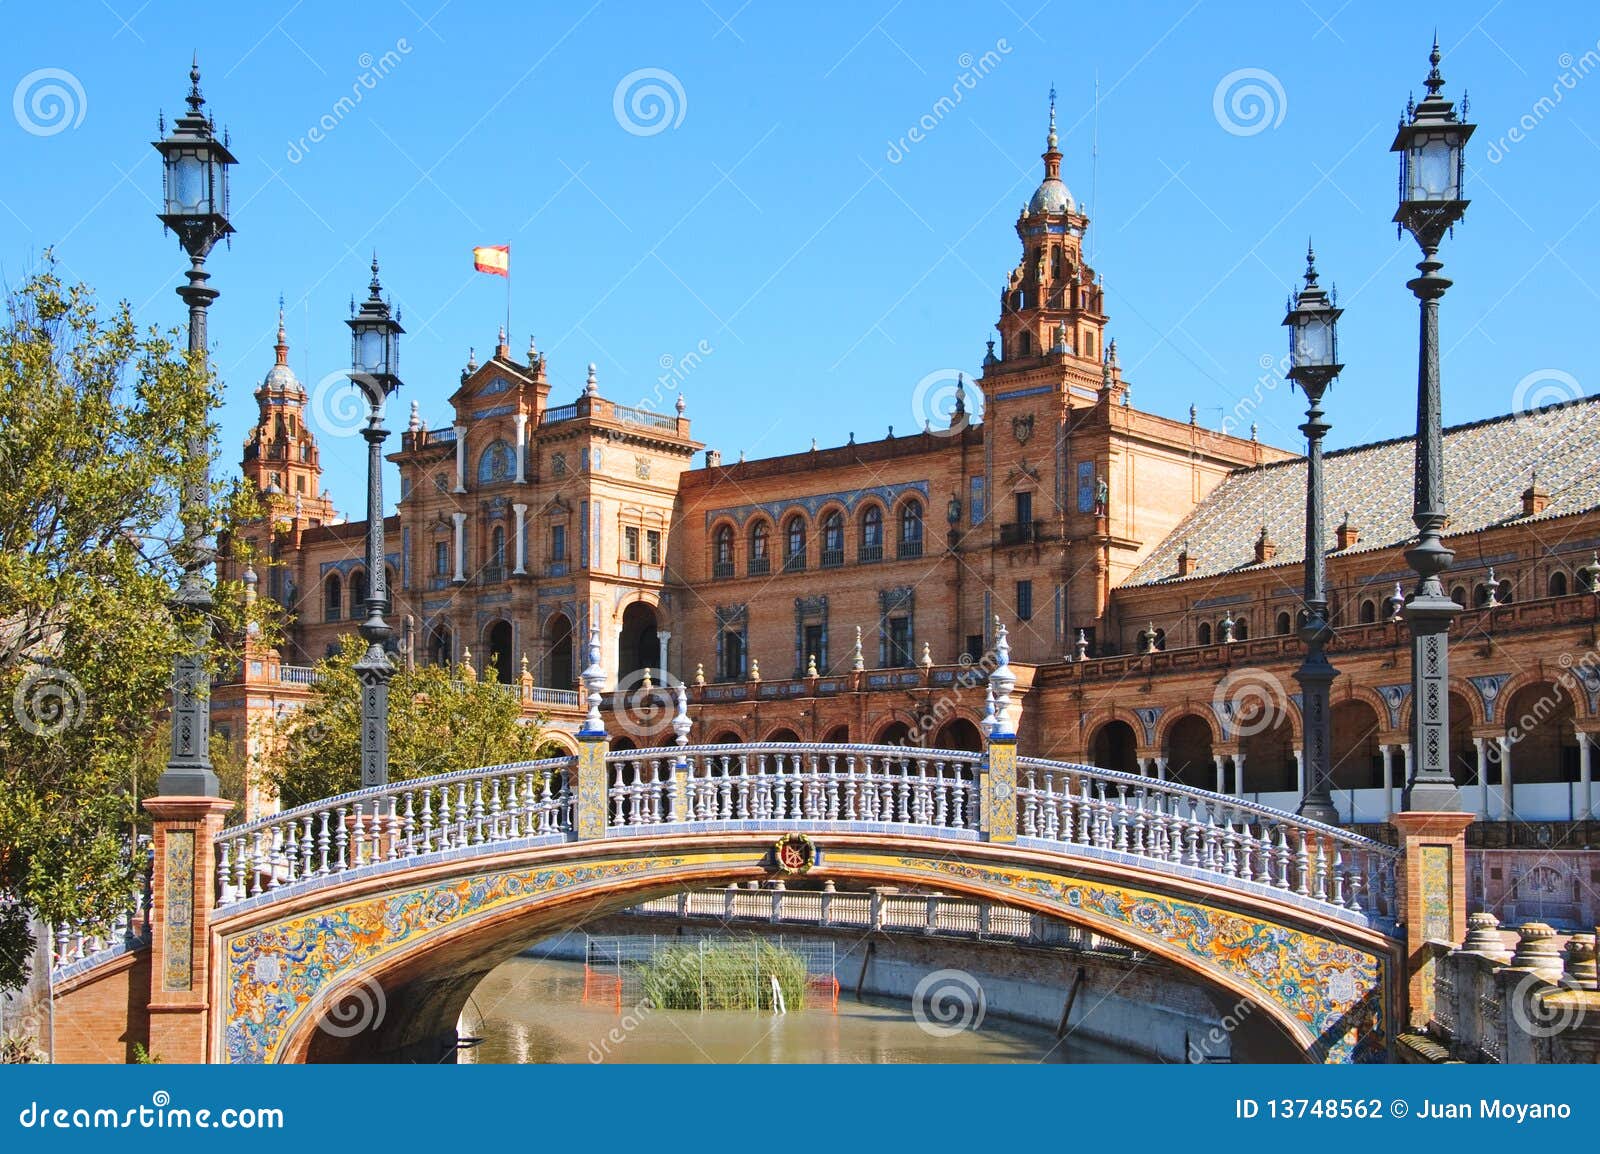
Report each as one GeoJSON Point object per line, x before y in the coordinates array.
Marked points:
{"type": "Point", "coordinates": [437, 724]}
{"type": "Point", "coordinates": [733, 975]}
{"type": "Point", "coordinates": [143, 1057]}
{"type": "Point", "coordinates": [20, 1049]}
{"type": "Point", "coordinates": [93, 452]}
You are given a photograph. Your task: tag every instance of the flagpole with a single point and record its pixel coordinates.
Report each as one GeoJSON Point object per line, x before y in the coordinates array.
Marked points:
{"type": "Point", "coordinates": [508, 296]}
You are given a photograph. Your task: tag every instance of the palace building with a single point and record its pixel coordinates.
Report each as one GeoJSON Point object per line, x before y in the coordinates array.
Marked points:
{"type": "Point", "coordinates": [1148, 570]}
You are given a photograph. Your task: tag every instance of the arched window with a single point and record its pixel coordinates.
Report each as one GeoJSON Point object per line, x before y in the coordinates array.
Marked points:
{"type": "Point", "coordinates": [911, 529]}
{"type": "Point", "coordinates": [497, 463]}
{"type": "Point", "coordinates": [1284, 624]}
{"type": "Point", "coordinates": [332, 598]}
{"type": "Point", "coordinates": [1025, 344]}
{"type": "Point", "coordinates": [1241, 628]}
{"type": "Point", "coordinates": [1369, 611]}
{"type": "Point", "coordinates": [871, 535]}
{"type": "Point", "coordinates": [722, 546]}
{"type": "Point", "coordinates": [1459, 595]}
{"type": "Point", "coordinates": [497, 547]}
{"type": "Point", "coordinates": [1558, 584]}
{"type": "Point", "coordinates": [760, 556]}
{"type": "Point", "coordinates": [833, 539]}
{"type": "Point", "coordinates": [440, 649]}
{"type": "Point", "coordinates": [358, 592]}
{"type": "Point", "coordinates": [1203, 634]}
{"type": "Point", "coordinates": [794, 535]}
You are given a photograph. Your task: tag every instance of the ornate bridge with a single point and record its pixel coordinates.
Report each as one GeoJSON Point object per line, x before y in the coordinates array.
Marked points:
{"type": "Point", "coordinates": [382, 909]}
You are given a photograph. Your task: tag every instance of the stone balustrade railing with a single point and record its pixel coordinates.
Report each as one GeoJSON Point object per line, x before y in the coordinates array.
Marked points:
{"type": "Point", "coordinates": [70, 944]}
{"type": "Point", "coordinates": [502, 803]}
{"type": "Point", "coordinates": [879, 911]}
{"type": "Point", "coordinates": [1073, 809]}
{"type": "Point", "coordinates": [779, 782]}
{"type": "Point", "coordinates": [1531, 1001]}
{"type": "Point", "coordinates": [1226, 836]}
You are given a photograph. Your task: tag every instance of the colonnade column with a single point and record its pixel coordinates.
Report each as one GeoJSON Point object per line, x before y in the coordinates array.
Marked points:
{"type": "Point", "coordinates": [662, 637]}
{"type": "Point", "coordinates": [522, 448]}
{"type": "Point", "coordinates": [1508, 805]}
{"type": "Point", "coordinates": [521, 511]}
{"type": "Point", "coordinates": [1585, 777]}
{"type": "Point", "coordinates": [1238, 775]}
{"type": "Point", "coordinates": [460, 520]}
{"type": "Point", "coordinates": [1387, 752]}
{"type": "Point", "coordinates": [1482, 747]}
{"type": "Point", "coordinates": [1161, 769]}
{"type": "Point", "coordinates": [1221, 760]}
{"type": "Point", "coordinates": [1300, 772]}
{"type": "Point", "coordinates": [461, 459]}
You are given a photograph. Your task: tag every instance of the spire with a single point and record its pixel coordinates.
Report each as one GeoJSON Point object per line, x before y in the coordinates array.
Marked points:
{"type": "Point", "coordinates": [1052, 154]}
{"type": "Point", "coordinates": [1311, 265]}
{"type": "Point", "coordinates": [196, 101]}
{"type": "Point", "coordinates": [958, 417]}
{"type": "Point", "coordinates": [282, 347]}
{"type": "Point", "coordinates": [1435, 80]}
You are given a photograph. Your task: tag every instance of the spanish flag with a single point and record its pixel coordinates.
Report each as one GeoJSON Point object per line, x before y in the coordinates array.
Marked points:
{"type": "Point", "coordinates": [493, 258]}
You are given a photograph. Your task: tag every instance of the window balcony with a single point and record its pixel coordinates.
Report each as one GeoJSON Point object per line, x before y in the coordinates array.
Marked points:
{"type": "Point", "coordinates": [722, 570]}
{"type": "Point", "coordinates": [832, 558]}
{"type": "Point", "coordinates": [910, 550]}
{"type": "Point", "coordinates": [492, 574]}
{"type": "Point", "coordinates": [869, 554]}
{"type": "Point", "coordinates": [794, 563]}
{"type": "Point", "coordinates": [1021, 532]}
{"type": "Point", "coordinates": [760, 566]}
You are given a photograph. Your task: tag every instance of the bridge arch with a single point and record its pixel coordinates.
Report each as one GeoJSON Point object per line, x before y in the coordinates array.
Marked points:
{"type": "Point", "coordinates": [420, 948]}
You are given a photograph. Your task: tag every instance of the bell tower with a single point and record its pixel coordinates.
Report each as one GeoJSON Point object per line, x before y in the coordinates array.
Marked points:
{"type": "Point", "coordinates": [280, 454]}
{"type": "Point", "coordinates": [1052, 310]}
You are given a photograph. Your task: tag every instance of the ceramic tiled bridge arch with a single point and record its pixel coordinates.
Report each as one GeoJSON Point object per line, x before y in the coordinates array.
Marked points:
{"type": "Point", "coordinates": [404, 895]}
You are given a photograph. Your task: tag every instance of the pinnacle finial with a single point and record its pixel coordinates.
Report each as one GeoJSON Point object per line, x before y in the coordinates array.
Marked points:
{"type": "Point", "coordinates": [282, 347]}
{"type": "Point", "coordinates": [1051, 139]}
{"type": "Point", "coordinates": [375, 287]}
{"type": "Point", "coordinates": [1435, 79]}
{"type": "Point", "coordinates": [196, 101]}
{"type": "Point", "coordinates": [591, 386]}
{"type": "Point", "coordinates": [1311, 264]}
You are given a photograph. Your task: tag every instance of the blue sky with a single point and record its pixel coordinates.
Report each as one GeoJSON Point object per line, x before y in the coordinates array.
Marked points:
{"type": "Point", "coordinates": [782, 218]}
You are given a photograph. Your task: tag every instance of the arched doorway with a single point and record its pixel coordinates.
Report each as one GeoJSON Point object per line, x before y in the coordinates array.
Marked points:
{"type": "Point", "coordinates": [619, 744]}
{"type": "Point", "coordinates": [1113, 747]}
{"type": "Point", "coordinates": [1267, 743]}
{"type": "Point", "coordinates": [497, 644]}
{"type": "Point", "coordinates": [1463, 752]}
{"type": "Point", "coordinates": [894, 733]}
{"type": "Point", "coordinates": [959, 733]}
{"type": "Point", "coordinates": [1539, 722]}
{"type": "Point", "coordinates": [726, 737]}
{"type": "Point", "coordinates": [783, 733]}
{"type": "Point", "coordinates": [1355, 759]}
{"type": "Point", "coordinates": [557, 664]}
{"type": "Point", "coordinates": [637, 648]}
{"type": "Point", "coordinates": [1189, 759]}
{"type": "Point", "coordinates": [838, 735]}
{"type": "Point", "coordinates": [441, 646]}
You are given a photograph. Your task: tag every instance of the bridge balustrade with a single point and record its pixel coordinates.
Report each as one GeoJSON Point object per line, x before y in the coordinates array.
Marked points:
{"type": "Point", "coordinates": [470, 808]}
{"type": "Point", "coordinates": [1199, 830]}
{"type": "Point", "coordinates": [780, 782]}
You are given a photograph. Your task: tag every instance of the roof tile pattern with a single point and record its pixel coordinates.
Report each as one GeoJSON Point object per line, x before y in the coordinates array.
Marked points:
{"type": "Point", "coordinates": [1488, 464]}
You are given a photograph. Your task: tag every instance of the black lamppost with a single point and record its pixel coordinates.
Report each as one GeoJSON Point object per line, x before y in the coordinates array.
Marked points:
{"type": "Point", "coordinates": [195, 206]}
{"type": "Point", "coordinates": [375, 370]}
{"type": "Point", "coordinates": [1430, 142]}
{"type": "Point", "coordinates": [1313, 323]}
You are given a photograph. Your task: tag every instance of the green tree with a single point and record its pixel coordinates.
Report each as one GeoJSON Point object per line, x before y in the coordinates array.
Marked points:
{"type": "Point", "coordinates": [93, 413]}
{"type": "Point", "coordinates": [437, 724]}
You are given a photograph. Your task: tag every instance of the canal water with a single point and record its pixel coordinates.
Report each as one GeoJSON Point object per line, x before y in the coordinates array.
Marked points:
{"type": "Point", "coordinates": [531, 1010]}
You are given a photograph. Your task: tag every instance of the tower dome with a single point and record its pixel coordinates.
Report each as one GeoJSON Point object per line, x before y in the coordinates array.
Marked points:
{"type": "Point", "coordinates": [280, 377]}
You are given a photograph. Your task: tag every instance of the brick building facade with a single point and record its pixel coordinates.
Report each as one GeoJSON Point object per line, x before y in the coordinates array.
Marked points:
{"type": "Point", "coordinates": [1148, 569]}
